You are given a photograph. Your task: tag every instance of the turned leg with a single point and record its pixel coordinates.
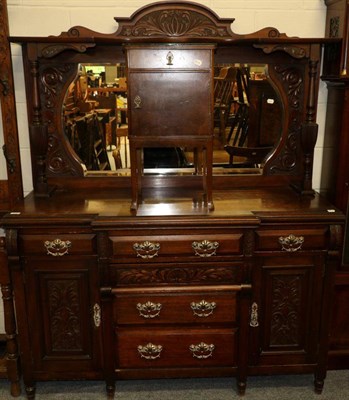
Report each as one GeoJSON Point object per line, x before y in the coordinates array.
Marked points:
{"type": "Point", "coordinates": [12, 356]}
{"type": "Point", "coordinates": [110, 390]}
{"type": "Point", "coordinates": [241, 388]}
{"type": "Point", "coordinates": [30, 391]}
{"type": "Point", "coordinates": [318, 385]}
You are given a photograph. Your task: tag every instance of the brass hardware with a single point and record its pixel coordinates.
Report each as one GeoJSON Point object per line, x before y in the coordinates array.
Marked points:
{"type": "Point", "coordinates": [169, 58]}
{"type": "Point", "coordinates": [150, 351]}
{"type": "Point", "coordinates": [97, 315]}
{"type": "Point", "coordinates": [291, 242]}
{"type": "Point", "coordinates": [58, 247]}
{"type": "Point", "coordinates": [146, 249]}
{"type": "Point", "coordinates": [149, 309]}
{"type": "Point", "coordinates": [202, 350]}
{"type": "Point", "coordinates": [205, 248]}
{"type": "Point", "coordinates": [254, 316]}
{"type": "Point", "coordinates": [203, 308]}
{"type": "Point", "coordinates": [137, 101]}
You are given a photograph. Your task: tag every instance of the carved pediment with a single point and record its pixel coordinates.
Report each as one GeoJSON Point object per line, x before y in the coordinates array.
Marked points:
{"type": "Point", "coordinates": [175, 21]}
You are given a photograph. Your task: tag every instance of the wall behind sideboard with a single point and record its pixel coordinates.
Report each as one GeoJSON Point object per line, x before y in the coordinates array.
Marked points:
{"type": "Point", "coordinates": [303, 18]}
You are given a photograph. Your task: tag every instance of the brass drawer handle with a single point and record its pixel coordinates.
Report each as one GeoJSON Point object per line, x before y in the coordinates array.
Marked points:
{"type": "Point", "coordinates": [291, 243]}
{"type": "Point", "coordinates": [147, 249]}
{"type": "Point", "coordinates": [57, 248]}
{"type": "Point", "coordinates": [203, 308]}
{"type": "Point", "coordinates": [149, 309]}
{"type": "Point", "coordinates": [205, 248]}
{"type": "Point", "coordinates": [202, 350]}
{"type": "Point", "coordinates": [150, 351]}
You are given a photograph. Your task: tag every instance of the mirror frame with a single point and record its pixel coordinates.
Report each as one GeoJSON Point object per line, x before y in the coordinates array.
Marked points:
{"type": "Point", "coordinates": [11, 189]}
{"type": "Point", "coordinates": [294, 66]}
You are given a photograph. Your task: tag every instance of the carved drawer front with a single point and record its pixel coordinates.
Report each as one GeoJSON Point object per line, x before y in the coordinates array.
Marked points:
{"type": "Point", "coordinates": [291, 239]}
{"type": "Point", "coordinates": [169, 58]}
{"type": "Point", "coordinates": [159, 248]}
{"type": "Point", "coordinates": [154, 308]}
{"type": "Point", "coordinates": [176, 348]}
{"type": "Point", "coordinates": [175, 273]}
{"type": "Point", "coordinates": [58, 245]}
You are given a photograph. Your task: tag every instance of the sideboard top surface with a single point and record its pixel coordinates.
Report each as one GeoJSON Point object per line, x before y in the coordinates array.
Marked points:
{"type": "Point", "coordinates": [238, 206]}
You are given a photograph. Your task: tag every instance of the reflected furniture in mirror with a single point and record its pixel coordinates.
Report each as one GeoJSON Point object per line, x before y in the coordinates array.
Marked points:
{"type": "Point", "coordinates": [174, 288]}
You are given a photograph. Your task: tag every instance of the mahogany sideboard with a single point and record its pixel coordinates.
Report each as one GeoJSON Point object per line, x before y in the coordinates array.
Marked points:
{"type": "Point", "coordinates": [170, 286]}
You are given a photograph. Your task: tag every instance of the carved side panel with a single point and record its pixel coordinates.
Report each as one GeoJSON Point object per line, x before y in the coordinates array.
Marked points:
{"type": "Point", "coordinates": [288, 159]}
{"type": "Point", "coordinates": [54, 80]}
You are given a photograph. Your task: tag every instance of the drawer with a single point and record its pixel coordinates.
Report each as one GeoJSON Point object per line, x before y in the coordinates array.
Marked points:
{"type": "Point", "coordinates": [160, 274]}
{"type": "Point", "coordinates": [160, 248]}
{"type": "Point", "coordinates": [58, 245]}
{"type": "Point", "coordinates": [176, 348]}
{"type": "Point", "coordinates": [169, 58]}
{"type": "Point", "coordinates": [157, 308]}
{"type": "Point", "coordinates": [292, 239]}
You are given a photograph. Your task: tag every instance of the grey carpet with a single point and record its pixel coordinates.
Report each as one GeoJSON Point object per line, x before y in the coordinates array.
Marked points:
{"type": "Point", "coordinates": [297, 387]}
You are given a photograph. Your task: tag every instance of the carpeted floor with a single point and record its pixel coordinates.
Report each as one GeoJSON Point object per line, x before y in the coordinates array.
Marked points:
{"type": "Point", "coordinates": [295, 387]}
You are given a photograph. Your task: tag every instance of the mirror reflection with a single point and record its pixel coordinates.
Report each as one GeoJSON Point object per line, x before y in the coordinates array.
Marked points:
{"type": "Point", "coordinates": [247, 122]}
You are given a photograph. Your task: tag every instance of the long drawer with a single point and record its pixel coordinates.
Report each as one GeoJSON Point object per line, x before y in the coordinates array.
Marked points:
{"type": "Point", "coordinates": [175, 307]}
{"type": "Point", "coordinates": [175, 348]}
{"type": "Point", "coordinates": [159, 248]}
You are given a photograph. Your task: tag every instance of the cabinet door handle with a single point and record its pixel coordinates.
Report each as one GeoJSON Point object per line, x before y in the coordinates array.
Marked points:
{"type": "Point", "coordinates": [205, 248]}
{"type": "Point", "coordinates": [57, 247]}
{"type": "Point", "coordinates": [97, 315]}
{"type": "Point", "coordinates": [146, 249]}
{"type": "Point", "coordinates": [202, 350]}
{"type": "Point", "coordinates": [291, 242]}
{"type": "Point", "coordinates": [150, 351]}
{"type": "Point", "coordinates": [254, 316]}
{"type": "Point", "coordinates": [149, 309]}
{"type": "Point", "coordinates": [203, 308]}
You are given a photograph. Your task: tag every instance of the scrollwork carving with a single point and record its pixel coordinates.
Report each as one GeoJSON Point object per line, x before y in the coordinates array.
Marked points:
{"type": "Point", "coordinates": [174, 23]}
{"type": "Point", "coordinates": [285, 315]}
{"type": "Point", "coordinates": [135, 276]}
{"type": "Point", "coordinates": [64, 311]}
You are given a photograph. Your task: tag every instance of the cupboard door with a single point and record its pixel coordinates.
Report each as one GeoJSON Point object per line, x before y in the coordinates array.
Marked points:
{"type": "Point", "coordinates": [64, 315]}
{"type": "Point", "coordinates": [286, 311]}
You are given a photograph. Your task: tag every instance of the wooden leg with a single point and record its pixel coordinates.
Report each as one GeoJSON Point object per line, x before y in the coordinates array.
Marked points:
{"type": "Point", "coordinates": [12, 356]}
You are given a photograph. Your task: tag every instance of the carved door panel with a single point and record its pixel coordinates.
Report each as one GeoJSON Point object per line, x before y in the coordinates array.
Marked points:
{"type": "Point", "coordinates": [65, 315]}
{"type": "Point", "coordinates": [286, 311]}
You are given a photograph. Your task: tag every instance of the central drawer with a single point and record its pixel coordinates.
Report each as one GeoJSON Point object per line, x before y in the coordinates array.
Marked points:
{"type": "Point", "coordinates": [158, 308]}
{"type": "Point", "coordinates": [159, 248]}
{"type": "Point", "coordinates": [176, 348]}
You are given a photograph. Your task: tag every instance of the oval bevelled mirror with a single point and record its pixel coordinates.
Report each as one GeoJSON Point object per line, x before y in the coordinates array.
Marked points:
{"type": "Point", "coordinates": [247, 122]}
